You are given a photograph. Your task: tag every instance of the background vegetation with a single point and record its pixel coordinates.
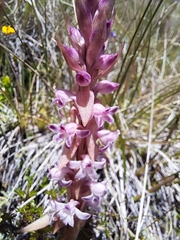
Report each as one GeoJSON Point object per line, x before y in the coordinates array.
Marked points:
{"type": "Point", "coordinates": [143, 175]}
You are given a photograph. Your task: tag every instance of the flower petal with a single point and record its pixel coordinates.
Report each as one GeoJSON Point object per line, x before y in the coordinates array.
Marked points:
{"type": "Point", "coordinates": [82, 215]}
{"type": "Point", "coordinates": [74, 164]}
{"type": "Point", "coordinates": [64, 183]}
{"type": "Point", "coordinates": [54, 127]}
{"type": "Point", "coordinates": [98, 188]}
{"type": "Point", "coordinates": [93, 201]}
{"type": "Point", "coordinates": [82, 133]}
{"type": "Point", "coordinates": [100, 165]}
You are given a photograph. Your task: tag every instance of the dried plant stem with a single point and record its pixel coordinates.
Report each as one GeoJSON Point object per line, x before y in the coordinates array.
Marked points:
{"type": "Point", "coordinates": [156, 187]}
{"type": "Point", "coordinates": [140, 218]}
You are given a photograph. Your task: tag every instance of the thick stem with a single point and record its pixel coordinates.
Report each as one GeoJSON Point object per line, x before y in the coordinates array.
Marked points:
{"type": "Point", "coordinates": [71, 233]}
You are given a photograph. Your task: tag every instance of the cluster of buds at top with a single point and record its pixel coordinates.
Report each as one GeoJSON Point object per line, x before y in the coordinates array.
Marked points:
{"type": "Point", "coordinates": [86, 140]}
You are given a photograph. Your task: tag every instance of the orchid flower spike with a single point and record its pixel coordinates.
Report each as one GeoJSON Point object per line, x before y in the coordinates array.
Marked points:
{"type": "Point", "coordinates": [84, 136]}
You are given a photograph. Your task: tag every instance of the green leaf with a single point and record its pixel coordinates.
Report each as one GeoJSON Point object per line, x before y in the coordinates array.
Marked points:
{"type": "Point", "coordinates": [21, 193]}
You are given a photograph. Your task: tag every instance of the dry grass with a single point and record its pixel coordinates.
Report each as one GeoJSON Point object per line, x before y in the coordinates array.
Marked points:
{"type": "Point", "coordinates": [143, 175]}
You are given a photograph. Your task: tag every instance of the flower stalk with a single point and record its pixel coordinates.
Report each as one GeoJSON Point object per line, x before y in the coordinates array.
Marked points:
{"type": "Point", "coordinates": [86, 140]}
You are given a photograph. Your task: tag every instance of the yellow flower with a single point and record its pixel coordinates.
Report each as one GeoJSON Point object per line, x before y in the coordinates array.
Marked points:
{"type": "Point", "coordinates": [7, 29]}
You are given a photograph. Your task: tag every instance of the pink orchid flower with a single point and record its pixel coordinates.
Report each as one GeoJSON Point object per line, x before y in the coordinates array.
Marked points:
{"type": "Point", "coordinates": [67, 132]}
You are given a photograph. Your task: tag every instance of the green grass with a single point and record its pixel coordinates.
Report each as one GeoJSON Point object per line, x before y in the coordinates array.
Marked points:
{"type": "Point", "coordinates": [146, 156]}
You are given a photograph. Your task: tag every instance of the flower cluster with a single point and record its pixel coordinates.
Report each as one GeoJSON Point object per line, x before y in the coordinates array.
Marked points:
{"type": "Point", "coordinates": [85, 138]}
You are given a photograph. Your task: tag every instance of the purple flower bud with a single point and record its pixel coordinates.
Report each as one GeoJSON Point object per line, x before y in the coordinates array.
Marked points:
{"type": "Point", "coordinates": [106, 61]}
{"type": "Point", "coordinates": [84, 18]}
{"type": "Point", "coordinates": [83, 78]}
{"type": "Point", "coordinates": [71, 56]}
{"type": "Point", "coordinates": [104, 72]}
{"type": "Point", "coordinates": [105, 87]}
{"type": "Point", "coordinates": [92, 5]}
{"type": "Point", "coordinates": [96, 45]}
{"type": "Point", "coordinates": [66, 212]}
{"type": "Point", "coordinates": [76, 37]}
{"type": "Point", "coordinates": [100, 31]}
{"type": "Point", "coordinates": [105, 8]}
{"type": "Point", "coordinates": [77, 40]}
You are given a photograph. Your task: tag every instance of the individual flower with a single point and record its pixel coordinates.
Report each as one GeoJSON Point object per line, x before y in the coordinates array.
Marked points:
{"type": "Point", "coordinates": [8, 29]}
{"type": "Point", "coordinates": [71, 56]}
{"type": "Point", "coordinates": [56, 174]}
{"type": "Point", "coordinates": [97, 188]}
{"type": "Point", "coordinates": [77, 39]}
{"type": "Point", "coordinates": [84, 18]}
{"type": "Point", "coordinates": [87, 168]}
{"type": "Point", "coordinates": [102, 114]}
{"type": "Point", "coordinates": [62, 97]}
{"type": "Point", "coordinates": [93, 202]}
{"type": "Point", "coordinates": [107, 138]}
{"type": "Point", "coordinates": [66, 211]}
{"type": "Point", "coordinates": [113, 34]}
{"type": "Point", "coordinates": [105, 87]}
{"type": "Point", "coordinates": [111, 61]}
{"type": "Point", "coordinates": [68, 132]}
{"type": "Point", "coordinates": [106, 61]}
